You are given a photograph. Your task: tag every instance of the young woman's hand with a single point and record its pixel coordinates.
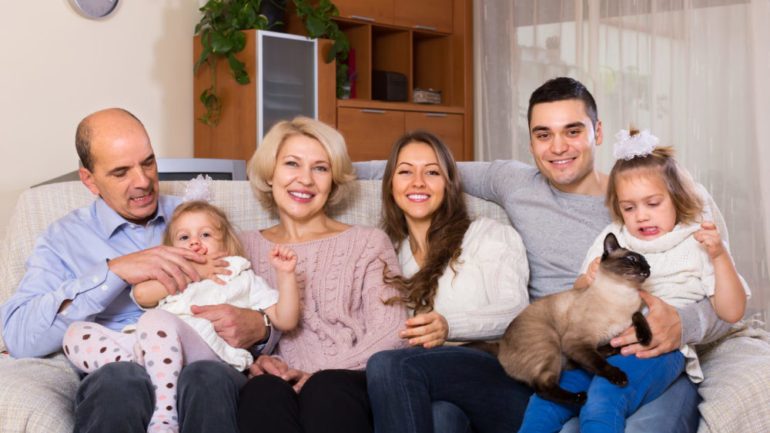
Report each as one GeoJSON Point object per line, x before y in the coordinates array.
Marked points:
{"type": "Point", "coordinates": [426, 330]}
{"type": "Point", "coordinates": [709, 238]}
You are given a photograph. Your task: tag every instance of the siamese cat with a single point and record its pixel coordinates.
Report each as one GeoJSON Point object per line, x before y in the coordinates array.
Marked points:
{"type": "Point", "coordinates": [576, 326]}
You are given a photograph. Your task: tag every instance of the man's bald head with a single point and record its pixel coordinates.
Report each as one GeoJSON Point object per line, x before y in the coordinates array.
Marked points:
{"type": "Point", "coordinates": [110, 120]}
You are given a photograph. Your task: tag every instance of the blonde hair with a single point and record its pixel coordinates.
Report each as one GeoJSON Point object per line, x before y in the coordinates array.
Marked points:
{"type": "Point", "coordinates": [219, 220]}
{"type": "Point", "coordinates": [262, 163]}
{"type": "Point", "coordinates": [678, 181]}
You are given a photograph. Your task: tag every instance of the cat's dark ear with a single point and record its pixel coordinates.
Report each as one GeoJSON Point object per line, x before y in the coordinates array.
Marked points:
{"type": "Point", "coordinates": [610, 243]}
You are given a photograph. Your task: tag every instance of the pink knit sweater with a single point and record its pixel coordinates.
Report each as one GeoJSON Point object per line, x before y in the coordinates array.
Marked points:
{"type": "Point", "coordinates": [343, 319]}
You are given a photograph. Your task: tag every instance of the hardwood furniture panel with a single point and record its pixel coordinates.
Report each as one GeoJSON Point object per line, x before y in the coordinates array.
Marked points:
{"type": "Point", "coordinates": [432, 56]}
{"type": "Point", "coordinates": [435, 15]}
{"type": "Point", "coordinates": [369, 133]}
{"type": "Point", "coordinates": [360, 38]}
{"type": "Point", "coordinates": [379, 11]}
{"type": "Point", "coordinates": [236, 134]}
{"type": "Point", "coordinates": [231, 138]}
{"type": "Point", "coordinates": [391, 51]}
{"type": "Point", "coordinates": [448, 127]}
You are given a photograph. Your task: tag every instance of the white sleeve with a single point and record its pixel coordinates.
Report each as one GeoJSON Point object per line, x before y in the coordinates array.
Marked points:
{"type": "Point", "coordinates": [261, 295]}
{"type": "Point", "coordinates": [499, 263]}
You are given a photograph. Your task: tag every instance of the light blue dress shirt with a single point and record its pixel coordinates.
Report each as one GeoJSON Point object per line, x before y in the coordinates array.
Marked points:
{"type": "Point", "coordinates": [69, 261]}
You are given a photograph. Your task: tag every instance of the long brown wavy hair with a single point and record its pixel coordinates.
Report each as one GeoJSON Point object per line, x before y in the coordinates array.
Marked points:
{"type": "Point", "coordinates": [447, 228]}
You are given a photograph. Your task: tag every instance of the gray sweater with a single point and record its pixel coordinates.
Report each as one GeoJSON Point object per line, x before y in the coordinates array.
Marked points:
{"type": "Point", "coordinates": [557, 229]}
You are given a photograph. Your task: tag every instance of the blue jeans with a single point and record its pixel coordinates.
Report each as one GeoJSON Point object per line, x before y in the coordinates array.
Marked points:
{"type": "Point", "coordinates": [391, 415]}
{"type": "Point", "coordinates": [119, 398]}
{"type": "Point", "coordinates": [404, 384]}
{"type": "Point", "coordinates": [608, 405]}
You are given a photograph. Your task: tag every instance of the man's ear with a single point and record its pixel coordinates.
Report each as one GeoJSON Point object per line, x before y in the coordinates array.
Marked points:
{"type": "Point", "coordinates": [88, 180]}
{"type": "Point", "coordinates": [599, 132]}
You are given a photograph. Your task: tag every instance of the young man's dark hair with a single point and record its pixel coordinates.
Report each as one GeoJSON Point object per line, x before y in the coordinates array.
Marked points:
{"type": "Point", "coordinates": [560, 89]}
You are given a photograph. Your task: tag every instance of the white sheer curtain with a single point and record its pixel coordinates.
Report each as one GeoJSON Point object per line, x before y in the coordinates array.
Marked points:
{"type": "Point", "coordinates": [695, 72]}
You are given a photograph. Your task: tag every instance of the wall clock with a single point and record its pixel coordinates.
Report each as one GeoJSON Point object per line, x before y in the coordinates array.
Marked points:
{"type": "Point", "coordinates": [94, 9]}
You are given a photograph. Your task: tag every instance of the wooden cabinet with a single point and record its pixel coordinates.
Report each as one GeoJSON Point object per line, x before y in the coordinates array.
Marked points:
{"type": "Point", "coordinates": [448, 127]}
{"type": "Point", "coordinates": [379, 11]}
{"type": "Point", "coordinates": [372, 130]}
{"type": "Point", "coordinates": [435, 15]}
{"type": "Point", "coordinates": [429, 42]}
{"type": "Point", "coordinates": [249, 110]}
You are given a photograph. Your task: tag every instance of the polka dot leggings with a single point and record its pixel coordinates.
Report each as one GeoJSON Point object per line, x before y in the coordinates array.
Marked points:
{"type": "Point", "coordinates": [162, 342]}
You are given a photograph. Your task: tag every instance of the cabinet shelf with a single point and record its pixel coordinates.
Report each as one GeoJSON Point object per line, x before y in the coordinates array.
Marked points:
{"type": "Point", "coordinates": [429, 42]}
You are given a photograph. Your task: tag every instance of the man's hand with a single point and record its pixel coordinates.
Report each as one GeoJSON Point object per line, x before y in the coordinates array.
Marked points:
{"type": "Point", "coordinates": [170, 266]}
{"type": "Point", "coordinates": [426, 330]}
{"type": "Point", "coordinates": [239, 327]}
{"type": "Point", "coordinates": [666, 330]}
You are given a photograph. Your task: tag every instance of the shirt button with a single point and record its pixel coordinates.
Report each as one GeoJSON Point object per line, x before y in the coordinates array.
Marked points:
{"type": "Point", "coordinates": [104, 287]}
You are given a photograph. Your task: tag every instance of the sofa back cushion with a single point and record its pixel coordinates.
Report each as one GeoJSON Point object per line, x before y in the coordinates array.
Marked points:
{"type": "Point", "coordinates": [38, 207]}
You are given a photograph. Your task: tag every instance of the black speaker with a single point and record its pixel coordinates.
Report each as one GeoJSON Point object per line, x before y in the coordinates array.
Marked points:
{"type": "Point", "coordinates": [388, 86]}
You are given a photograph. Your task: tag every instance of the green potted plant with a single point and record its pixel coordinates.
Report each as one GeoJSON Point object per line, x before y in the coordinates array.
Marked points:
{"type": "Point", "coordinates": [319, 24]}
{"type": "Point", "coordinates": [220, 30]}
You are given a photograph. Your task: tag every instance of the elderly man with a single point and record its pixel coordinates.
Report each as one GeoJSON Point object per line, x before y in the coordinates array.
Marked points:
{"type": "Point", "coordinates": [83, 267]}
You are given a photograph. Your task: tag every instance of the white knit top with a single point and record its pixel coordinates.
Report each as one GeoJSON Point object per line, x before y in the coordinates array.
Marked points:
{"type": "Point", "coordinates": [488, 286]}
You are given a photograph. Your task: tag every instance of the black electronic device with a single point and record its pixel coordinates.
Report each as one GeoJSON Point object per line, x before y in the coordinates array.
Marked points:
{"type": "Point", "coordinates": [389, 86]}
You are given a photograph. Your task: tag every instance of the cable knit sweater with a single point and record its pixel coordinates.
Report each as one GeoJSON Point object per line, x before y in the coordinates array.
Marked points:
{"type": "Point", "coordinates": [343, 319]}
{"type": "Point", "coordinates": [486, 288]}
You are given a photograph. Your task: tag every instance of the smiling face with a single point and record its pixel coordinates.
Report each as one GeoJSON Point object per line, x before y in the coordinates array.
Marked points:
{"type": "Point", "coordinates": [197, 231]}
{"type": "Point", "coordinates": [302, 178]}
{"type": "Point", "coordinates": [563, 141]}
{"type": "Point", "coordinates": [124, 172]}
{"type": "Point", "coordinates": [418, 182]}
{"type": "Point", "coordinates": [645, 204]}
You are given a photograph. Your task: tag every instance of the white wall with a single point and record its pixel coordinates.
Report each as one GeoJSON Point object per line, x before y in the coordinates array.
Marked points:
{"type": "Point", "coordinates": [56, 67]}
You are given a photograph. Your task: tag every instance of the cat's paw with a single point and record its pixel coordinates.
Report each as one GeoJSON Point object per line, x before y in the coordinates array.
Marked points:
{"type": "Point", "coordinates": [616, 376]}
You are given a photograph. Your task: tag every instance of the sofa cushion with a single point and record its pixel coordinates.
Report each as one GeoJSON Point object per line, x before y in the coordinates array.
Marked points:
{"type": "Point", "coordinates": [37, 395]}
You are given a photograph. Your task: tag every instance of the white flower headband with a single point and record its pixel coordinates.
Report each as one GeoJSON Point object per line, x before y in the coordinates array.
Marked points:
{"type": "Point", "coordinates": [630, 146]}
{"type": "Point", "coordinates": [198, 188]}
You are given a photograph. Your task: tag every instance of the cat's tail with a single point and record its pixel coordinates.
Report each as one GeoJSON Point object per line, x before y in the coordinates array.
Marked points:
{"type": "Point", "coordinates": [490, 347]}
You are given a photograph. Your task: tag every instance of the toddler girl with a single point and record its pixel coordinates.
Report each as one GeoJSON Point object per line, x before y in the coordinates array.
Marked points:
{"type": "Point", "coordinates": [655, 207]}
{"type": "Point", "coordinates": [169, 337]}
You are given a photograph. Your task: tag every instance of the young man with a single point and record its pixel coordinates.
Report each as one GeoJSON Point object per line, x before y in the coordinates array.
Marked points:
{"type": "Point", "coordinates": [83, 267]}
{"type": "Point", "coordinates": [558, 209]}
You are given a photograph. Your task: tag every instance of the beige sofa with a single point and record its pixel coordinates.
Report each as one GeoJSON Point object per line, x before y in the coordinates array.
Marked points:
{"type": "Point", "coordinates": [36, 395]}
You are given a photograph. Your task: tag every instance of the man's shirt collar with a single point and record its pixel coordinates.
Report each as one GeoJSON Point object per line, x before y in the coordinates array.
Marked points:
{"type": "Point", "coordinates": [111, 222]}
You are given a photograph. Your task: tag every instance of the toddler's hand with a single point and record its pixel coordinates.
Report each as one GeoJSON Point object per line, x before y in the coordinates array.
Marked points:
{"type": "Point", "coordinates": [283, 258]}
{"type": "Point", "coordinates": [709, 238]}
{"type": "Point", "coordinates": [592, 268]}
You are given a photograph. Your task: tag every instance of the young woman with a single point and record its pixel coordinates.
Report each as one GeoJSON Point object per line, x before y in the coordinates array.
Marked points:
{"type": "Point", "coordinates": [463, 279]}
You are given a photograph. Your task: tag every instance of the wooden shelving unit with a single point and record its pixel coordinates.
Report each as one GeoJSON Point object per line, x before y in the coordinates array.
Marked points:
{"type": "Point", "coordinates": [429, 42]}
